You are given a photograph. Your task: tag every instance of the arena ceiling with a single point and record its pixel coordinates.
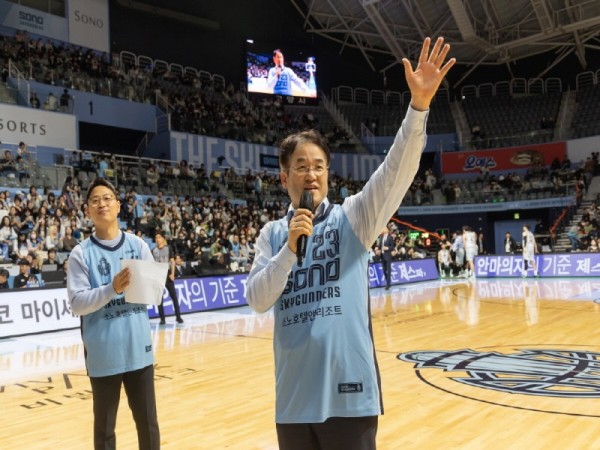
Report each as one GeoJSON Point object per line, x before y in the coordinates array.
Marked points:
{"type": "Point", "coordinates": [482, 32]}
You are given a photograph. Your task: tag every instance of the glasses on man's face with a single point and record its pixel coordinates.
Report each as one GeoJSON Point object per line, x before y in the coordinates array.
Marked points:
{"type": "Point", "coordinates": [106, 199]}
{"type": "Point", "coordinates": [305, 170]}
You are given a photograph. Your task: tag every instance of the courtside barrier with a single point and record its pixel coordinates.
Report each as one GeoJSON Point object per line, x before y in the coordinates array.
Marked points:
{"type": "Point", "coordinates": [41, 310]}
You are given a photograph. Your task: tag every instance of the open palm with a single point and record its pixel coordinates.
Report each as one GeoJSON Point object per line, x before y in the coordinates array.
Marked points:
{"type": "Point", "coordinates": [424, 81]}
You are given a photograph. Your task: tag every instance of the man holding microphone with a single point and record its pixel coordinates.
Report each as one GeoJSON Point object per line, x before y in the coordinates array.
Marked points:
{"type": "Point", "coordinates": [328, 392]}
{"type": "Point", "coordinates": [280, 78]}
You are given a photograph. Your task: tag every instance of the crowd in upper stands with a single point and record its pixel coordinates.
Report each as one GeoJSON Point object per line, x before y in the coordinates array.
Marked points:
{"type": "Point", "coordinates": [199, 106]}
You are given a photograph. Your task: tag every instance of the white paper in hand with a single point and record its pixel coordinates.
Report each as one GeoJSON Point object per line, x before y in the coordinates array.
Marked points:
{"type": "Point", "coordinates": [147, 281]}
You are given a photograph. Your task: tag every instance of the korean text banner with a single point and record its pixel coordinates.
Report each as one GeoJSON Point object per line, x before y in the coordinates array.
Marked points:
{"type": "Point", "coordinates": [403, 272]}
{"type": "Point", "coordinates": [511, 158]}
{"type": "Point", "coordinates": [32, 311]}
{"type": "Point", "coordinates": [205, 294]}
{"type": "Point", "coordinates": [548, 265]}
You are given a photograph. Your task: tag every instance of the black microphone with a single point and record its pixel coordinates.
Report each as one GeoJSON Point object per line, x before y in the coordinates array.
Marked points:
{"type": "Point", "coordinates": [306, 202]}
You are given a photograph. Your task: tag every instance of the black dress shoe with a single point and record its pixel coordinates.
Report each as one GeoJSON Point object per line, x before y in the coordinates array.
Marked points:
{"type": "Point", "coordinates": [162, 322]}
{"type": "Point", "coordinates": [179, 320]}
{"type": "Point", "coordinates": [387, 288]}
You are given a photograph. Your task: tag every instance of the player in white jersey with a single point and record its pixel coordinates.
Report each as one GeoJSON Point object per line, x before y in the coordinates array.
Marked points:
{"type": "Point", "coordinates": [529, 250]}
{"type": "Point", "coordinates": [444, 260]}
{"type": "Point", "coordinates": [470, 243]}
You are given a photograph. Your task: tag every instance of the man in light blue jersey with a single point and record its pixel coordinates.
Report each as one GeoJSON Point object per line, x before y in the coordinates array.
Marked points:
{"type": "Point", "coordinates": [280, 78]}
{"type": "Point", "coordinates": [115, 333]}
{"type": "Point", "coordinates": [328, 392]}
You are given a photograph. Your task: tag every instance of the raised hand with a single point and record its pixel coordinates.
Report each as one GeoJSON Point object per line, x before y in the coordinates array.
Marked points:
{"type": "Point", "coordinates": [424, 81]}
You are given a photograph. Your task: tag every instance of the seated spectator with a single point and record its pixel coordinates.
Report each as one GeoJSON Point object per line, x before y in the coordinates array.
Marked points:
{"type": "Point", "coordinates": [19, 250]}
{"type": "Point", "coordinates": [152, 175]}
{"type": "Point", "coordinates": [182, 268]}
{"type": "Point", "coordinates": [35, 262]}
{"type": "Point", "coordinates": [102, 166]}
{"type": "Point", "coordinates": [445, 260]}
{"type": "Point", "coordinates": [65, 99]}
{"type": "Point", "coordinates": [217, 257]}
{"type": "Point", "coordinates": [7, 164]}
{"type": "Point", "coordinates": [23, 151]}
{"type": "Point", "coordinates": [25, 278]}
{"type": "Point", "coordinates": [52, 260]}
{"type": "Point", "coordinates": [28, 224]}
{"type": "Point", "coordinates": [7, 236]}
{"type": "Point", "coordinates": [247, 250]}
{"type": "Point", "coordinates": [4, 275]}
{"type": "Point", "coordinates": [184, 170]}
{"type": "Point", "coordinates": [35, 197]}
{"type": "Point", "coordinates": [415, 253]}
{"type": "Point", "coordinates": [68, 241]}
{"type": "Point", "coordinates": [235, 255]}
{"type": "Point", "coordinates": [34, 242]}
{"type": "Point", "coordinates": [34, 101]}
{"type": "Point", "coordinates": [192, 246]}
{"type": "Point", "coordinates": [179, 243]}
{"type": "Point", "coordinates": [51, 103]}
{"type": "Point", "coordinates": [204, 241]}
{"type": "Point", "coordinates": [53, 237]}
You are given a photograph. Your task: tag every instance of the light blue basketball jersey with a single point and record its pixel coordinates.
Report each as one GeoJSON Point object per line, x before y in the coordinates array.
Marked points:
{"type": "Point", "coordinates": [284, 84]}
{"type": "Point", "coordinates": [116, 337]}
{"type": "Point", "coordinates": [323, 344]}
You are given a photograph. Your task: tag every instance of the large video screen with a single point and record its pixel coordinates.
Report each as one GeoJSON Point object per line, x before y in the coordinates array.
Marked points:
{"type": "Point", "coordinates": [281, 70]}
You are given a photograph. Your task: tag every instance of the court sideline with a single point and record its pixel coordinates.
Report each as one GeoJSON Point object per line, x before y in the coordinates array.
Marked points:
{"type": "Point", "coordinates": [495, 364]}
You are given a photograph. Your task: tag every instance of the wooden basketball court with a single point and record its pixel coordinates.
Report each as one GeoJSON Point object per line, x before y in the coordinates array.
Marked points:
{"type": "Point", "coordinates": [482, 364]}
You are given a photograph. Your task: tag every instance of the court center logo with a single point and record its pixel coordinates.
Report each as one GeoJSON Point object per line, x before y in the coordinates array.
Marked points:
{"type": "Point", "coordinates": [564, 377]}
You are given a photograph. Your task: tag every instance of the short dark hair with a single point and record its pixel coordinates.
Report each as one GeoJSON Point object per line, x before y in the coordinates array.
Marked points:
{"type": "Point", "coordinates": [101, 182]}
{"type": "Point", "coordinates": [293, 141]}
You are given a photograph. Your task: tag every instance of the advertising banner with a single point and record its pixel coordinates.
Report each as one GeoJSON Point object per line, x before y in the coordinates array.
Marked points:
{"type": "Point", "coordinates": [89, 24]}
{"type": "Point", "coordinates": [241, 156]}
{"type": "Point", "coordinates": [511, 158]}
{"type": "Point", "coordinates": [32, 311]}
{"type": "Point", "coordinates": [37, 127]}
{"type": "Point", "coordinates": [205, 294]}
{"type": "Point", "coordinates": [548, 265]}
{"type": "Point", "coordinates": [33, 21]}
{"type": "Point", "coordinates": [410, 271]}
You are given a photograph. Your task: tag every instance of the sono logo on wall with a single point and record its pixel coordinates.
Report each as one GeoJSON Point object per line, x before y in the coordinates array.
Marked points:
{"type": "Point", "coordinates": [88, 24]}
{"type": "Point", "coordinates": [82, 17]}
{"type": "Point", "coordinates": [30, 20]}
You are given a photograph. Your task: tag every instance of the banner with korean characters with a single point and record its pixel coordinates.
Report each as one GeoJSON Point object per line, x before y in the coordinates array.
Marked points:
{"type": "Point", "coordinates": [548, 265]}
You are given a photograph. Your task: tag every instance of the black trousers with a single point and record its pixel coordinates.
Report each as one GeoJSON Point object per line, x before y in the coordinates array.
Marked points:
{"type": "Point", "coordinates": [139, 387]}
{"type": "Point", "coordinates": [170, 285]}
{"type": "Point", "coordinates": [387, 271]}
{"type": "Point", "coordinates": [336, 433]}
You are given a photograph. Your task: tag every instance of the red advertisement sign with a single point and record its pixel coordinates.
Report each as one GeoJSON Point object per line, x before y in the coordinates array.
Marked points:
{"type": "Point", "coordinates": [511, 158]}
